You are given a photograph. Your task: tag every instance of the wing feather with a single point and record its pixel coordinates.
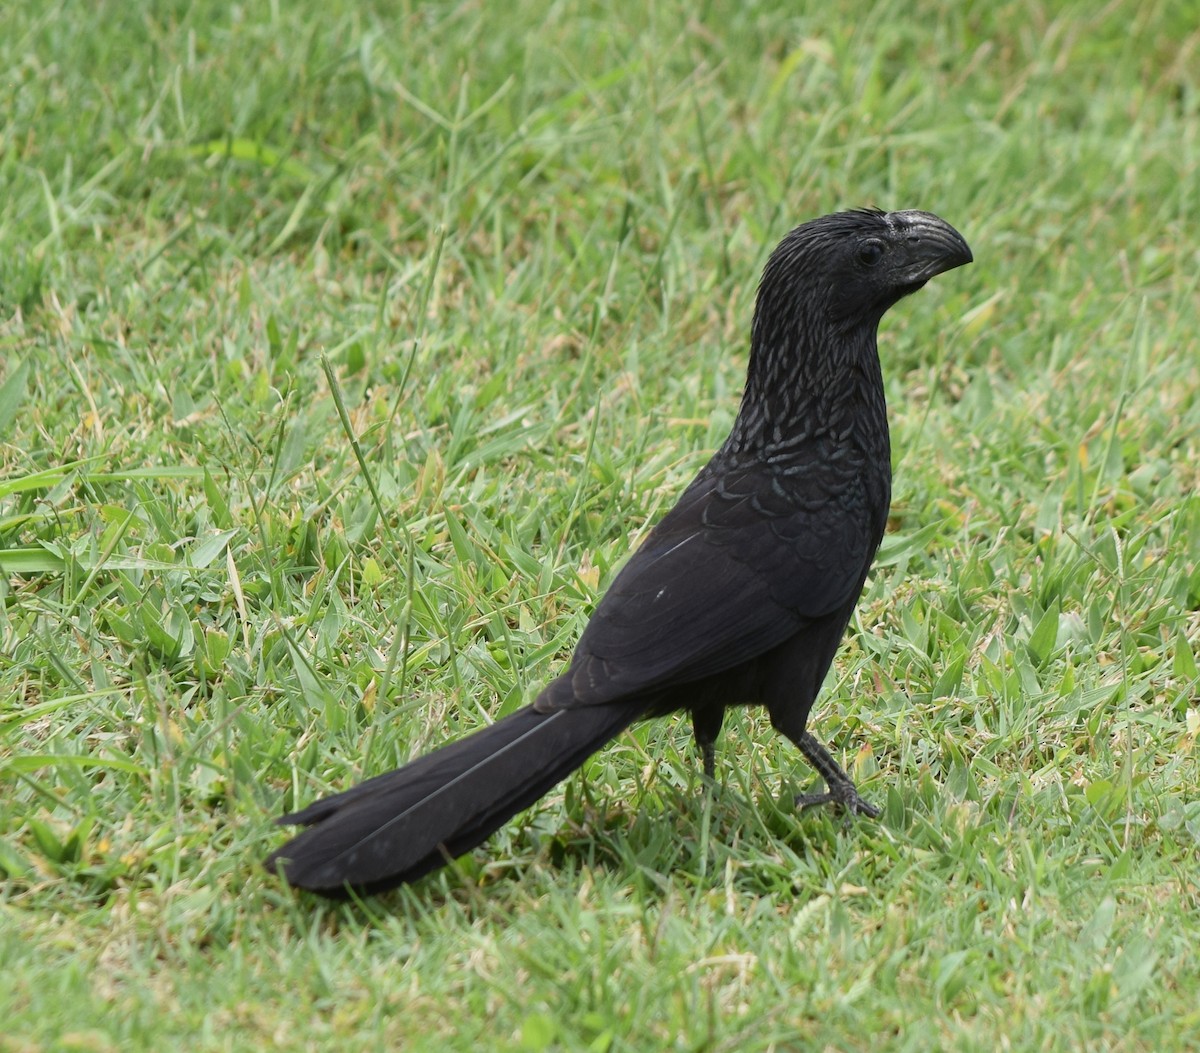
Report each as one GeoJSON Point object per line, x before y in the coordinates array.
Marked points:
{"type": "Point", "coordinates": [733, 570]}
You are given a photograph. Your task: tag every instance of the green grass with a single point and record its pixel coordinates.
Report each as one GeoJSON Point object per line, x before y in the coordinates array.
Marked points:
{"type": "Point", "coordinates": [525, 242]}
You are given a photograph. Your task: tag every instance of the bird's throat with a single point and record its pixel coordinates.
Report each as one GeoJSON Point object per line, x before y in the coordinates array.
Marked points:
{"type": "Point", "coordinates": [793, 398]}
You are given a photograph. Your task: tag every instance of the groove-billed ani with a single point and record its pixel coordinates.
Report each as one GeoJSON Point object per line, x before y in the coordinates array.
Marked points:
{"type": "Point", "coordinates": [740, 595]}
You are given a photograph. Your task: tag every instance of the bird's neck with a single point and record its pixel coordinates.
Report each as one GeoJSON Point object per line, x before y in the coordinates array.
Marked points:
{"type": "Point", "coordinates": [819, 389]}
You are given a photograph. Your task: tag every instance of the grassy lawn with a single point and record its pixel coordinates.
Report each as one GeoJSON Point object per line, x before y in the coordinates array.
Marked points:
{"type": "Point", "coordinates": [347, 350]}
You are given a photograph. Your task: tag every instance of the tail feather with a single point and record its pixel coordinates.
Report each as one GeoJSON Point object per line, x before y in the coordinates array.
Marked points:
{"type": "Point", "coordinates": [399, 826]}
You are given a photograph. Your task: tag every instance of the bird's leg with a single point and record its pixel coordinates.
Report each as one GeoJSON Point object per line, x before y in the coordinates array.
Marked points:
{"type": "Point", "coordinates": [840, 789]}
{"type": "Point", "coordinates": [706, 726]}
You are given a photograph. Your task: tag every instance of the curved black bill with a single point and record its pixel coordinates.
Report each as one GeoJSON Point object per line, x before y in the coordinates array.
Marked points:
{"type": "Point", "coordinates": [934, 246]}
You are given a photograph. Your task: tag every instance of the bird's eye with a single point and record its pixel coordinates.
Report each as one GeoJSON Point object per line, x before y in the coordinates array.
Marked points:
{"type": "Point", "coordinates": [870, 252]}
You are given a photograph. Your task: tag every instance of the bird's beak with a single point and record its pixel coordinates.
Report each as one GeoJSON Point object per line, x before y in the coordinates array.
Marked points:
{"type": "Point", "coordinates": [934, 246]}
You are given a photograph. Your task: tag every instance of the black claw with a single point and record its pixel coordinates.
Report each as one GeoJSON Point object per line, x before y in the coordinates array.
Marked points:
{"type": "Point", "coordinates": [859, 806]}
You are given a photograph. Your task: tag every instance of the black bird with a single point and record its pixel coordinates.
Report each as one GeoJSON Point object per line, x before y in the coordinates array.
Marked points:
{"type": "Point", "coordinates": [739, 595]}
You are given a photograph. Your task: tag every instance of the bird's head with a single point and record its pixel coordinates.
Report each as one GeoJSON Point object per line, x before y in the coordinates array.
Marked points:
{"type": "Point", "coordinates": [850, 267]}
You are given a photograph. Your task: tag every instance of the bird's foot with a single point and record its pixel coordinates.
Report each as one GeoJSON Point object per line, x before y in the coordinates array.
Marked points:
{"type": "Point", "coordinates": [844, 795]}
{"type": "Point", "coordinates": [840, 789]}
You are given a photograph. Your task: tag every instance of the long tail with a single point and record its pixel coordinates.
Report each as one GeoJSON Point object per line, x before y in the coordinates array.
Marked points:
{"type": "Point", "coordinates": [397, 827]}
